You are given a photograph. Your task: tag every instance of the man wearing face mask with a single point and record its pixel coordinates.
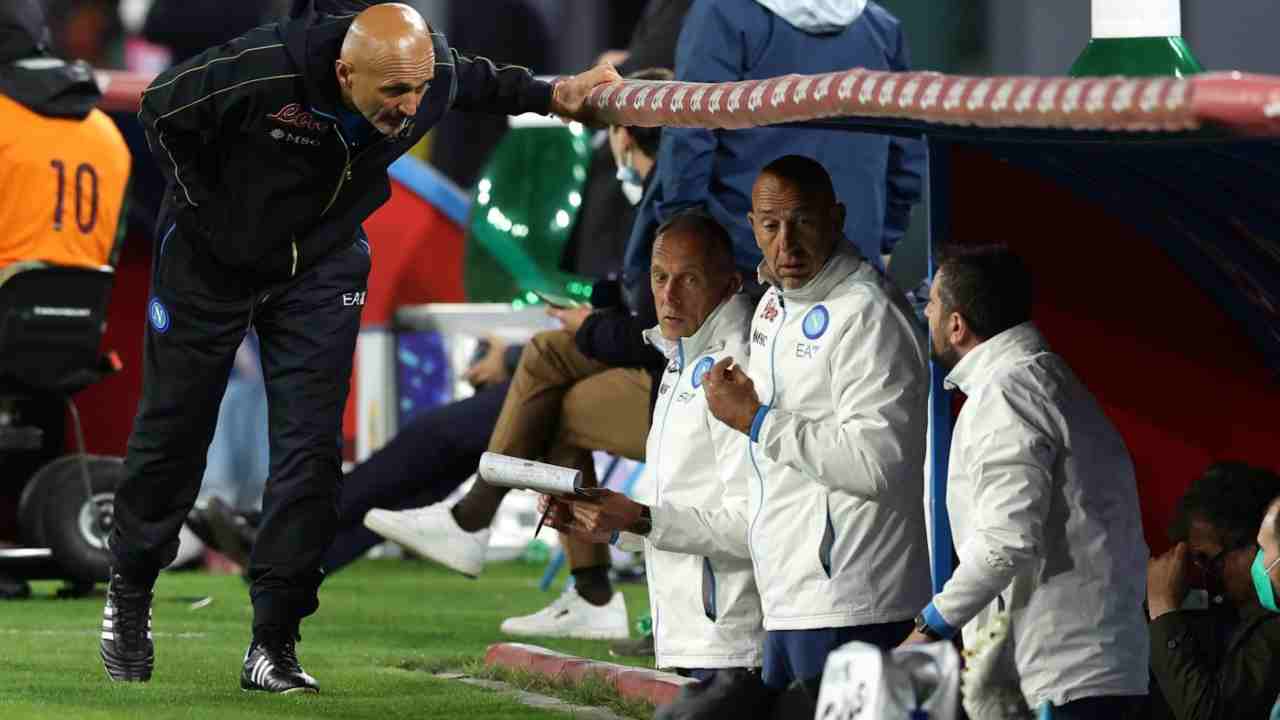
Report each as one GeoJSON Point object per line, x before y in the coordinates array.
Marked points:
{"type": "Point", "coordinates": [1266, 567]}
{"type": "Point", "coordinates": [275, 147]}
{"type": "Point", "coordinates": [1221, 662]}
{"type": "Point", "coordinates": [575, 390]}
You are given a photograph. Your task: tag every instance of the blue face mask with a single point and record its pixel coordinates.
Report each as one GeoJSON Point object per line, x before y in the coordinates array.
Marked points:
{"type": "Point", "coordinates": [1262, 582]}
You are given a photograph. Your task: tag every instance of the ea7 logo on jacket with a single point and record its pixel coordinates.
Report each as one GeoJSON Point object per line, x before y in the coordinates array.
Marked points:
{"type": "Point", "coordinates": [293, 114]}
{"type": "Point", "coordinates": [353, 298]}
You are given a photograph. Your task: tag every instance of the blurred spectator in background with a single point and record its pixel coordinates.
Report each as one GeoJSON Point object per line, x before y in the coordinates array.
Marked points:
{"type": "Point", "coordinates": [507, 31]}
{"type": "Point", "coordinates": [587, 387]}
{"type": "Point", "coordinates": [1220, 662]}
{"type": "Point", "coordinates": [1043, 504]}
{"type": "Point", "coordinates": [879, 177]}
{"type": "Point", "coordinates": [88, 30]}
{"type": "Point", "coordinates": [189, 27]}
{"type": "Point", "coordinates": [595, 244]}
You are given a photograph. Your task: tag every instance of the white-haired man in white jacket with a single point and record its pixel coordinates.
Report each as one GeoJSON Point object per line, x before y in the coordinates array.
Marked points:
{"type": "Point", "coordinates": [705, 607]}
{"type": "Point", "coordinates": [1042, 500]}
{"type": "Point", "coordinates": [832, 410]}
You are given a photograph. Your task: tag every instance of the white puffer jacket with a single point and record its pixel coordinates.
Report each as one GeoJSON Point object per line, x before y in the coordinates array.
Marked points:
{"type": "Point", "coordinates": [836, 521]}
{"type": "Point", "coordinates": [706, 611]}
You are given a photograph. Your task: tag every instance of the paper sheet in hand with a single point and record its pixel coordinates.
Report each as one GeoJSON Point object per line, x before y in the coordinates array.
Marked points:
{"type": "Point", "coordinates": [513, 472]}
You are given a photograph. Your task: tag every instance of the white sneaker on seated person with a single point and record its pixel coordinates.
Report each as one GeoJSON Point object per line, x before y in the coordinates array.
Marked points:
{"type": "Point", "coordinates": [570, 616]}
{"type": "Point", "coordinates": [432, 533]}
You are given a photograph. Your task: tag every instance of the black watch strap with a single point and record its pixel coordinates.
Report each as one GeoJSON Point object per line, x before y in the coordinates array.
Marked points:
{"type": "Point", "coordinates": [922, 627]}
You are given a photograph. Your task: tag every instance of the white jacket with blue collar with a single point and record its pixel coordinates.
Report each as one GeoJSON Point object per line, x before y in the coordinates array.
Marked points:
{"type": "Point", "coordinates": [835, 521]}
{"type": "Point", "coordinates": [706, 611]}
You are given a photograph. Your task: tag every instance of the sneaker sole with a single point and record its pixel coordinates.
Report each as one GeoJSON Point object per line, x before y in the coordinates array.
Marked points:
{"type": "Point", "coordinates": [392, 532]}
{"type": "Point", "coordinates": [573, 635]}
{"type": "Point", "coordinates": [290, 691]}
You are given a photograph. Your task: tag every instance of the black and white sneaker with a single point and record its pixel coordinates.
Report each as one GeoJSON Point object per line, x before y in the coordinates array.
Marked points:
{"type": "Point", "coordinates": [127, 651]}
{"type": "Point", "coordinates": [273, 666]}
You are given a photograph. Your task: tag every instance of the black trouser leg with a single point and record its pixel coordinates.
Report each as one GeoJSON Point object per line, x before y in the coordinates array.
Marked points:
{"type": "Point", "coordinates": [428, 459]}
{"type": "Point", "coordinates": [307, 330]}
{"type": "Point", "coordinates": [191, 340]}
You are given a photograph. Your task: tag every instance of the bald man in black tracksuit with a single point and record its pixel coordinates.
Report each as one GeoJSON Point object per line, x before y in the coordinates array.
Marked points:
{"type": "Point", "coordinates": [271, 167]}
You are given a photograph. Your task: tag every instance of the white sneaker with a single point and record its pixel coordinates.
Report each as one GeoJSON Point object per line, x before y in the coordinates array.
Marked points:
{"type": "Point", "coordinates": [432, 533]}
{"type": "Point", "coordinates": [569, 616]}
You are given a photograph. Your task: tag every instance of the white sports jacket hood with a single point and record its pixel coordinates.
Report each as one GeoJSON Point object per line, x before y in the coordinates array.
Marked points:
{"type": "Point", "coordinates": [706, 611]}
{"type": "Point", "coordinates": [817, 16]}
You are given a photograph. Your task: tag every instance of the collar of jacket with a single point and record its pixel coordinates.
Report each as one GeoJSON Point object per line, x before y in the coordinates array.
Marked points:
{"type": "Point", "coordinates": [1017, 342]}
{"type": "Point", "coordinates": [844, 261]}
{"type": "Point", "coordinates": [315, 42]}
{"type": "Point", "coordinates": [732, 315]}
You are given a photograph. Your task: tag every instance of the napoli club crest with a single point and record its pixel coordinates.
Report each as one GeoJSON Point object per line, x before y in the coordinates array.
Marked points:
{"type": "Point", "coordinates": [158, 315]}
{"type": "Point", "coordinates": [816, 322]}
{"type": "Point", "coordinates": [700, 370]}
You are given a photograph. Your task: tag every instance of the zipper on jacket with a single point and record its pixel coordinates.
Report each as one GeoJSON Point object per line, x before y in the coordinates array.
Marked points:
{"type": "Point", "coordinates": [751, 453]}
{"type": "Point", "coordinates": [345, 175]}
{"type": "Point", "coordinates": [657, 474]}
{"type": "Point", "coordinates": [293, 267]}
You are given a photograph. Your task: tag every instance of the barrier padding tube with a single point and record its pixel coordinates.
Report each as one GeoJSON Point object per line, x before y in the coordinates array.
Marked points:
{"type": "Point", "coordinates": [1245, 104]}
{"type": "Point", "coordinates": [1242, 103]}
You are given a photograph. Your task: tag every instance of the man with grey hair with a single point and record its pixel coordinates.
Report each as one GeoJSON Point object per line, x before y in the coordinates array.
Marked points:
{"type": "Point", "coordinates": [276, 147]}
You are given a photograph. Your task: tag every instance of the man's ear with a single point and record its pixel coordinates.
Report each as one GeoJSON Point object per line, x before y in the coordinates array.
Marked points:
{"type": "Point", "coordinates": [957, 329]}
{"type": "Point", "coordinates": [343, 71]}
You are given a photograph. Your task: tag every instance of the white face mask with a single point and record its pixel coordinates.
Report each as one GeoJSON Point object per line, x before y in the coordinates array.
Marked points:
{"type": "Point", "coordinates": [632, 183]}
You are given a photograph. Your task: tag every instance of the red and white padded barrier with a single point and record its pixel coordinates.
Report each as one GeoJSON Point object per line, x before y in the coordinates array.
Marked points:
{"type": "Point", "coordinates": [1249, 104]}
{"type": "Point", "coordinates": [1246, 104]}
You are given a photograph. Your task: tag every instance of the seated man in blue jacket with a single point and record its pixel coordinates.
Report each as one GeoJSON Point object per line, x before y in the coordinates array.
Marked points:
{"type": "Point", "coordinates": [877, 177]}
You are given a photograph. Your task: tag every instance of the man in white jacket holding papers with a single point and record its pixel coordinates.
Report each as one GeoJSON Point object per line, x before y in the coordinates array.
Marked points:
{"type": "Point", "coordinates": [706, 611]}
{"type": "Point", "coordinates": [833, 411]}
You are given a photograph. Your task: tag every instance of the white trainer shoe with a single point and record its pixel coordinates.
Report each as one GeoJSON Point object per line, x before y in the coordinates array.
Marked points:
{"type": "Point", "coordinates": [432, 533]}
{"type": "Point", "coordinates": [569, 616]}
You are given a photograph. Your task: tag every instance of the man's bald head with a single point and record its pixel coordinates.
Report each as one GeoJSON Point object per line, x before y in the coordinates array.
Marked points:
{"type": "Point", "coordinates": [795, 218]}
{"type": "Point", "coordinates": [386, 64]}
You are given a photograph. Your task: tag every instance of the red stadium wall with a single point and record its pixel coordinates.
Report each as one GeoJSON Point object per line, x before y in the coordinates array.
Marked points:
{"type": "Point", "coordinates": [1177, 376]}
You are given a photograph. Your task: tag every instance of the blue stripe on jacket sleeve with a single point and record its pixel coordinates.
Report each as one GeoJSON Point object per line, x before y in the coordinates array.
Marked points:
{"type": "Point", "coordinates": [758, 422]}
{"type": "Point", "coordinates": [935, 621]}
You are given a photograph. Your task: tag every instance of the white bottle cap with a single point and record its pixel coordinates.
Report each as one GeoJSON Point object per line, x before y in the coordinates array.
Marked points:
{"type": "Point", "coordinates": [1136, 18]}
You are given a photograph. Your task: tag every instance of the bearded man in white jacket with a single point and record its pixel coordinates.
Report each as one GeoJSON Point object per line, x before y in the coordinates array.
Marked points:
{"type": "Point", "coordinates": [705, 607]}
{"type": "Point", "coordinates": [832, 416]}
{"type": "Point", "coordinates": [1043, 505]}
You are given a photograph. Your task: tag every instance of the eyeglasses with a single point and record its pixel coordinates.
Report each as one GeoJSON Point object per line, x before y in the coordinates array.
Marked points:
{"type": "Point", "coordinates": [1213, 566]}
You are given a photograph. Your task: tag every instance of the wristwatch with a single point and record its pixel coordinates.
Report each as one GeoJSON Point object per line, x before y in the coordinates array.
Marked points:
{"type": "Point", "coordinates": [922, 627]}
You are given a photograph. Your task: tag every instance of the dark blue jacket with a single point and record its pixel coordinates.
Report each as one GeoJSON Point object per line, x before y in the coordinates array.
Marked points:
{"type": "Point", "coordinates": [877, 177]}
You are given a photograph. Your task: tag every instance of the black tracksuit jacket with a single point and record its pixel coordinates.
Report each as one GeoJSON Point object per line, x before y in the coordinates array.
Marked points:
{"type": "Point", "coordinates": [261, 179]}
